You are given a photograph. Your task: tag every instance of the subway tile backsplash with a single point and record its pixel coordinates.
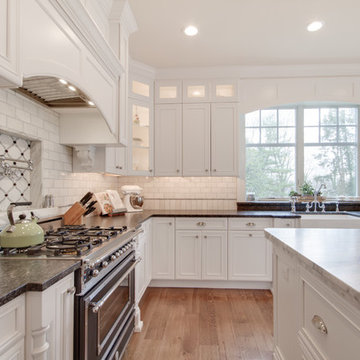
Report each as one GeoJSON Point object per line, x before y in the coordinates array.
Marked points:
{"type": "Point", "coordinates": [26, 119]}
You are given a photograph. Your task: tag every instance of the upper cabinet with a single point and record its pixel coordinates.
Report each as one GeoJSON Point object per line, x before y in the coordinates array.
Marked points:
{"type": "Point", "coordinates": [140, 152]}
{"type": "Point", "coordinates": [10, 74]}
{"type": "Point", "coordinates": [168, 91]}
{"type": "Point", "coordinates": [224, 90]}
{"type": "Point", "coordinates": [140, 88]}
{"type": "Point", "coordinates": [196, 91]}
{"type": "Point", "coordinates": [224, 147]}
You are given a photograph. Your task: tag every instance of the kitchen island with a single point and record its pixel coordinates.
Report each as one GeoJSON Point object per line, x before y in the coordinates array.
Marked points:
{"type": "Point", "coordinates": [316, 287]}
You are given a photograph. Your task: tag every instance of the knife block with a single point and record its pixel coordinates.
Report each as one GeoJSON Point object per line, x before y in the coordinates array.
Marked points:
{"type": "Point", "coordinates": [74, 216]}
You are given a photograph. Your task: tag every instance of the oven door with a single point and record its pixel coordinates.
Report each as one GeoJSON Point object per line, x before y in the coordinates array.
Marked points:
{"type": "Point", "coordinates": [107, 309]}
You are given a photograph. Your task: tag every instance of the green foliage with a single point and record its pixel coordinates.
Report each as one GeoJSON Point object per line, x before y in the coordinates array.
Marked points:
{"type": "Point", "coordinates": [307, 189]}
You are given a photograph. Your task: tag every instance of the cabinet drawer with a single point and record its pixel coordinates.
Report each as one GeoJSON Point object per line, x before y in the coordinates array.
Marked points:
{"type": "Point", "coordinates": [249, 223]}
{"type": "Point", "coordinates": [201, 223]}
{"type": "Point", "coordinates": [12, 322]}
{"type": "Point", "coordinates": [284, 223]}
{"type": "Point", "coordinates": [330, 326]}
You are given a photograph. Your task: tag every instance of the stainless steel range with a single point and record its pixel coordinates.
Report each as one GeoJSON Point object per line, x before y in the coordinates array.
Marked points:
{"type": "Point", "coordinates": [105, 283]}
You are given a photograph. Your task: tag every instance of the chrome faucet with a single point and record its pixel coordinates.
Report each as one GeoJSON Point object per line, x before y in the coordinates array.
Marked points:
{"type": "Point", "coordinates": [316, 204]}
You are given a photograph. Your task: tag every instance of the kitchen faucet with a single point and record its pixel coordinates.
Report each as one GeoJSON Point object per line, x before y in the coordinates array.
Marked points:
{"type": "Point", "coordinates": [315, 203]}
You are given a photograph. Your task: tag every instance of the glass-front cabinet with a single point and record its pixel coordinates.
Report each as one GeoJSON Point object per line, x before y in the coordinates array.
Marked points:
{"type": "Point", "coordinates": [141, 132]}
{"type": "Point", "coordinates": [224, 90]}
{"type": "Point", "coordinates": [168, 91]}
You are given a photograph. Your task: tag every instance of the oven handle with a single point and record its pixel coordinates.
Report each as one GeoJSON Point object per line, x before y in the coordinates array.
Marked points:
{"type": "Point", "coordinates": [96, 306]}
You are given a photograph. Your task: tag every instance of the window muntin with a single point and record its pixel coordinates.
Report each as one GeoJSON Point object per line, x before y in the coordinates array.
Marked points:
{"type": "Point", "coordinates": [326, 150]}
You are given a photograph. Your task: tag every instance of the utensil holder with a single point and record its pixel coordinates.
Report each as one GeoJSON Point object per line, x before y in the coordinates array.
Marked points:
{"type": "Point", "coordinates": [74, 216]}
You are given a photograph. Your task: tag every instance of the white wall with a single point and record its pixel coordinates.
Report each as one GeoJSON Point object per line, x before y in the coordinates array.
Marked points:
{"type": "Point", "coordinates": [27, 119]}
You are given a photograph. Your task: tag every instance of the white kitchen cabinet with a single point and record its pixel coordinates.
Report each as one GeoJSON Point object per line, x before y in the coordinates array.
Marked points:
{"type": "Point", "coordinates": [214, 255]}
{"type": "Point", "coordinates": [224, 90]}
{"type": "Point", "coordinates": [50, 321]}
{"type": "Point", "coordinates": [140, 88]}
{"type": "Point", "coordinates": [168, 140]}
{"type": "Point", "coordinates": [188, 255]}
{"type": "Point", "coordinates": [10, 74]}
{"type": "Point", "coordinates": [108, 160]}
{"type": "Point", "coordinates": [196, 140]}
{"type": "Point", "coordinates": [12, 329]}
{"type": "Point", "coordinates": [224, 144]}
{"type": "Point", "coordinates": [249, 256]}
{"type": "Point", "coordinates": [168, 91]}
{"type": "Point", "coordinates": [140, 151]}
{"type": "Point", "coordinates": [163, 247]}
{"type": "Point", "coordinates": [286, 223]}
{"type": "Point", "coordinates": [196, 91]}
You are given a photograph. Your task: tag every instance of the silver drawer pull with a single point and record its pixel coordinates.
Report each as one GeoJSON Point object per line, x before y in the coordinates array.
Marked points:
{"type": "Point", "coordinates": [250, 224]}
{"type": "Point", "coordinates": [203, 224]}
{"type": "Point", "coordinates": [250, 235]}
{"type": "Point", "coordinates": [199, 223]}
{"type": "Point", "coordinates": [318, 322]}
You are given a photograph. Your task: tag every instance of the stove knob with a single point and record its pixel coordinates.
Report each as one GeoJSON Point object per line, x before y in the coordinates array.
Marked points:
{"type": "Point", "coordinates": [113, 258]}
{"type": "Point", "coordinates": [104, 264]}
{"type": "Point", "coordinates": [117, 254]}
{"type": "Point", "coordinates": [95, 273]}
{"type": "Point", "coordinates": [91, 265]}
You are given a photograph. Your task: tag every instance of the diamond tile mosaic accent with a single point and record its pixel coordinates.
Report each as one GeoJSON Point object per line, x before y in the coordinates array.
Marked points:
{"type": "Point", "coordinates": [15, 188]}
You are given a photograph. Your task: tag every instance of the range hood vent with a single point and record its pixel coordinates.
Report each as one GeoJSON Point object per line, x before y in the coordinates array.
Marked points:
{"type": "Point", "coordinates": [51, 92]}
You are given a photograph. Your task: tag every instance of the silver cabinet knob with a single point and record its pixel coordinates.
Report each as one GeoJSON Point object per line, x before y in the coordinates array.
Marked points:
{"type": "Point", "coordinates": [250, 235]}
{"type": "Point", "coordinates": [206, 170]}
{"type": "Point", "coordinates": [177, 170]}
{"type": "Point", "coordinates": [71, 291]}
{"type": "Point", "coordinates": [319, 323]}
{"type": "Point", "coordinates": [197, 236]}
{"type": "Point", "coordinates": [150, 170]}
{"type": "Point", "coordinates": [214, 170]}
{"type": "Point", "coordinates": [205, 237]}
{"type": "Point", "coordinates": [170, 223]}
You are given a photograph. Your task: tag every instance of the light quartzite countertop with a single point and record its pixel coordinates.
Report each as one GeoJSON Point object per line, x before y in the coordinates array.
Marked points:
{"type": "Point", "coordinates": [332, 253]}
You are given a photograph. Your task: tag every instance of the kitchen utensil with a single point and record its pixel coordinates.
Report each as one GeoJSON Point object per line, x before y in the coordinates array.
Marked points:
{"type": "Point", "coordinates": [49, 201]}
{"type": "Point", "coordinates": [74, 215]}
{"type": "Point", "coordinates": [22, 233]}
{"type": "Point", "coordinates": [89, 210]}
{"type": "Point", "coordinates": [91, 204]}
{"type": "Point", "coordinates": [86, 198]}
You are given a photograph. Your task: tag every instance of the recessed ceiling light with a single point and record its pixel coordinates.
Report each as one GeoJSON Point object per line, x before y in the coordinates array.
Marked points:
{"type": "Point", "coordinates": [63, 81]}
{"type": "Point", "coordinates": [191, 30]}
{"type": "Point", "coordinates": [315, 26]}
{"type": "Point", "coordinates": [72, 88]}
{"type": "Point", "coordinates": [91, 103]}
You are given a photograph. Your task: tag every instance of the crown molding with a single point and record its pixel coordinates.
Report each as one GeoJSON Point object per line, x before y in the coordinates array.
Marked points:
{"type": "Point", "coordinates": [141, 69]}
{"type": "Point", "coordinates": [78, 19]}
{"type": "Point", "coordinates": [121, 13]}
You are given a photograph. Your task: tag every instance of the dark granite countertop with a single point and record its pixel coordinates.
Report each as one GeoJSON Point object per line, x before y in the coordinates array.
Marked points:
{"type": "Point", "coordinates": [21, 275]}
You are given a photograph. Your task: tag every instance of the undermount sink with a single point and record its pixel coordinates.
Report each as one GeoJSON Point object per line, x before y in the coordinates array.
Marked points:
{"type": "Point", "coordinates": [330, 220]}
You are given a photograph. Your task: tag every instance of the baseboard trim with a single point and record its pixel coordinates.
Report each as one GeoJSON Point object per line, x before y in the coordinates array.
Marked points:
{"type": "Point", "coordinates": [265, 285]}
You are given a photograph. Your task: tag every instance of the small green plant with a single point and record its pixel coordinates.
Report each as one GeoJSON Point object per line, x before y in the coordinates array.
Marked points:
{"type": "Point", "coordinates": [307, 189]}
{"type": "Point", "coordinates": [294, 193]}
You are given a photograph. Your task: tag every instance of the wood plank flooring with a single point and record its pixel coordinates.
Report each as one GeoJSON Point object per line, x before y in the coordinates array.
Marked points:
{"type": "Point", "coordinates": [204, 324]}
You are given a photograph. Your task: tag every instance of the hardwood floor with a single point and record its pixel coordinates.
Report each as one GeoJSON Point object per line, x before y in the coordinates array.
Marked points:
{"type": "Point", "coordinates": [204, 324]}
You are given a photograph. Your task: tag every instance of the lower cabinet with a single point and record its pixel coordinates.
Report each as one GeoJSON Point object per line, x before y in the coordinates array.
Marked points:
{"type": "Point", "coordinates": [163, 245]}
{"type": "Point", "coordinates": [201, 255]}
{"type": "Point", "coordinates": [249, 256]}
{"type": "Point", "coordinates": [12, 329]}
{"type": "Point", "coordinates": [39, 325]}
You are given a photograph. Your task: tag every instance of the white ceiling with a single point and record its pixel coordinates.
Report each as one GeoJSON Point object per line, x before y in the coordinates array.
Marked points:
{"type": "Point", "coordinates": [245, 32]}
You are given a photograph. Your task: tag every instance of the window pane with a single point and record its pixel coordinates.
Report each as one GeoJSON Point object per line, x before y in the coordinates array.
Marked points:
{"type": "Point", "coordinates": [311, 135]}
{"type": "Point", "coordinates": [268, 118]}
{"type": "Point", "coordinates": [328, 116]}
{"type": "Point", "coordinates": [347, 116]}
{"type": "Point", "coordinates": [311, 117]}
{"type": "Point", "coordinates": [270, 171]}
{"type": "Point", "coordinates": [287, 117]}
{"type": "Point", "coordinates": [252, 119]}
{"type": "Point", "coordinates": [287, 135]}
{"type": "Point", "coordinates": [347, 133]}
{"type": "Point", "coordinates": [252, 136]}
{"type": "Point", "coordinates": [269, 135]}
{"type": "Point", "coordinates": [333, 165]}
{"type": "Point", "coordinates": [328, 134]}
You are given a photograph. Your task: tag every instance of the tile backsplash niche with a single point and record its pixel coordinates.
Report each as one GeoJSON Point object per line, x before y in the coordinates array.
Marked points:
{"type": "Point", "coordinates": [37, 125]}
{"type": "Point", "coordinates": [185, 193]}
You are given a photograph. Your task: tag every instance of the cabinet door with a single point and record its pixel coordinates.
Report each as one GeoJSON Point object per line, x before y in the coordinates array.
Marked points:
{"type": "Point", "coordinates": [225, 90]}
{"type": "Point", "coordinates": [163, 243]}
{"type": "Point", "coordinates": [168, 91]}
{"type": "Point", "coordinates": [214, 255]}
{"type": "Point", "coordinates": [140, 151]}
{"type": "Point", "coordinates": [249, 256]}
{"type": "Point", "coordinates": [196, 91]}
{"type": "Point", "coordinates": [224, 119]}
{"type": "Point", "coordinates": [148, 250]}
{"type": "Point", "coordinates": [188, 255]}
{"type": "Point", "coordinates": [115, 160]}
{"type": "Point", "coordinates": [196, 140]}
{"type": "Point", "coordinates": [168, 140]}
{"type": "Point", "coordinates": [9, 44]}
